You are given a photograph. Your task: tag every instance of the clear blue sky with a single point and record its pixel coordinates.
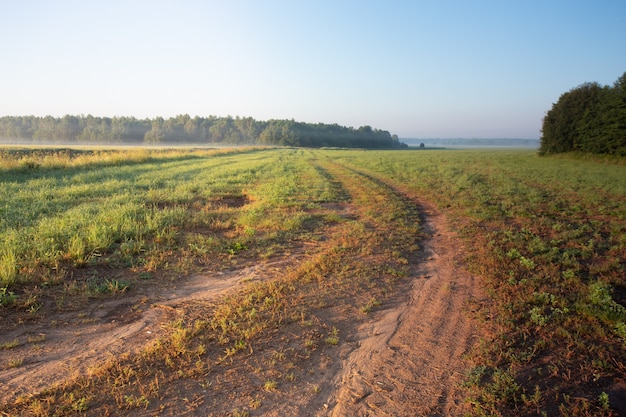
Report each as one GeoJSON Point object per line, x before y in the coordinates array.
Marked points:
{"type": "Point", "coordinates": [418, 69]}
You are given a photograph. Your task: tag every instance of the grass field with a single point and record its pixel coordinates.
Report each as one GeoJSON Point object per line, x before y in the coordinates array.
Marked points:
{"type": "Point", "coordinates": [548, 236]}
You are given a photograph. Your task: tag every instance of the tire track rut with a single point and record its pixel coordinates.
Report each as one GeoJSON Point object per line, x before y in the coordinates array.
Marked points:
{"type": "Point", "coordinates": [403, 360]}
{"type": "Point", "coordinates": [410, 361]}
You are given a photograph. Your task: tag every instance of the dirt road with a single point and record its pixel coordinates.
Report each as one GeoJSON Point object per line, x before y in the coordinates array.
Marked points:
{"type": "Point", "coordinates": [405, 359]}
{"type": "Point", "coordinates": [410, 361]}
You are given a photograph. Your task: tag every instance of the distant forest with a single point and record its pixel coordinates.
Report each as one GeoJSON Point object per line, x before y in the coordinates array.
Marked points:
{"type": "Point", "coordinates": [590, 118]}
{"type": "Point", "coordinates": [184, 129]}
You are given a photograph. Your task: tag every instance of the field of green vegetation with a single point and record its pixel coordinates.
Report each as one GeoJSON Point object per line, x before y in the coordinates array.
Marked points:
{"type": "Point", "coordinates": [547, 236]}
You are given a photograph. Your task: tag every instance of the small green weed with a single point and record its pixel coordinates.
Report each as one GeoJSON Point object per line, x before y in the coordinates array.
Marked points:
{"type": "Point", "coordinates": [15, 363]}
{"type": "Point", "coordinates": [78, 404]}
{"type": "Point", "coordinates": [603, 399]}
{"type": "Point", "coordinates": [133, 401]}
{"type": "Point", "coordinates": [333, 337]}
{"type": "Point", "coordinates": [7, 298]}
{"type": "Point", "coordinates": [10, 345]}
{"type": "Point", "coordinates": [111, 286]}
{"type": "Point", "coordinates": [371, 304]}
{"type": "Point", "coordinates": [237, 247]}
{"type": "Point", "coordinates": [270, 385]}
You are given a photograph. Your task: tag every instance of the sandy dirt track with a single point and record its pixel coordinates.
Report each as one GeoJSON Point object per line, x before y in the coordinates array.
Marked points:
{"type": "Point", "coordinates": [72, 342]}
{"type": "Point", "coordinates": [410, 361]}
{"type": "Point", "coordinates": [406, 359]}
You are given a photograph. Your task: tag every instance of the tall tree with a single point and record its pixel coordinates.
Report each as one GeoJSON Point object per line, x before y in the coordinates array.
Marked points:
{"type": "Point", "coordinates": [589, 118]}
{"type": "Point", "coordinates": [157, 133]}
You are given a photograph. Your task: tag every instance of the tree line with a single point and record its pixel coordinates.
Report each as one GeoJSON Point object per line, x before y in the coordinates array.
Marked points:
{"type": "Point", "coordinates": [184, 129]}
{"type": "Point", "coordinates": [590, 118]}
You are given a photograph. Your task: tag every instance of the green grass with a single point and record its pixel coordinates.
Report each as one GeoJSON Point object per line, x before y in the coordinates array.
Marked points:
{"type": "Point", "coordinates": [546, 234]}
{"type": "Point", "coordinates": [60, 218]}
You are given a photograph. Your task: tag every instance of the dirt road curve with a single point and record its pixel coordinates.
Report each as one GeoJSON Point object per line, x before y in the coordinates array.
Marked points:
{"type": "Point", "coordinates": [73, 342]}
{"type": "Point", "coordinates": [410, 362]}
{"type": "Point", "coordinates": [406, 359]}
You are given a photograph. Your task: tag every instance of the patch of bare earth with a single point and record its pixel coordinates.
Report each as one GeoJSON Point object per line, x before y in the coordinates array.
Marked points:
{"type": "Point", "coordinates": [66, 344]}
{"type": "Point", "coordinates": [405, 359]}
{"type": "Point", "coordinates": [410, 360]}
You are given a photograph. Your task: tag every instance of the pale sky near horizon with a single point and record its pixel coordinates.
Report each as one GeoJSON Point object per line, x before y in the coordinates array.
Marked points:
{"type": "Point", "coordinates": [419, 69]}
